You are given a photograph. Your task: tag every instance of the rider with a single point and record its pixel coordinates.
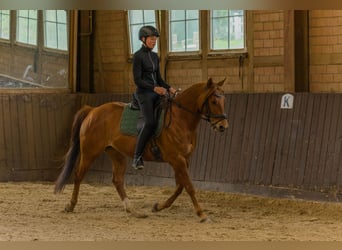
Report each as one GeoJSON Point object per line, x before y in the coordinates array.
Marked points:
{"type": "Point", "coordinates": [150, 87]}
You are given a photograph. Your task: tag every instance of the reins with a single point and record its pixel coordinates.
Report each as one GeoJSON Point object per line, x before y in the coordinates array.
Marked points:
{"type": "Point", "coordinates": [206, 117]}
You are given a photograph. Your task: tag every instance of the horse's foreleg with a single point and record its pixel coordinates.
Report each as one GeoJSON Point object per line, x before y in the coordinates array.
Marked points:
{"type": "Point", "coordinates": [184, 178]}
{"type": "Point", "coordinates": [157, 207]}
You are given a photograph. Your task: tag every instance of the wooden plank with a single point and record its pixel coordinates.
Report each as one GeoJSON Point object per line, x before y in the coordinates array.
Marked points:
{"type": "Point", "coordinates": [15, 132]}
{"type": "Point", "coordinates": [237, 137]}
{"type": "Point", "coordinates": [65, 116]}
{"type": "Point", "coordinates": [37, 131]}
{"type": "Point", "coordinates": [247, 139]}
{"type": "Point", "coordinates": [338, 160]}
{"type": "Point", "coordinates": [10, 142]}
{"type": "Point", "coordinates": [4, 168]}
{"type": "Point", "coordinates": [63, 111]}
{"type": "Point", "coordinates": [221, 148]}
{"type": "Point", "coordinates": [249, 176]}
{"type": "Point", "coordinates": [313, 154]}
{"type": "Point", "coordinates": [331, 167]}
{"type": "Point", "coordinates": [290, 132]}
{"type": "Point", "coordinates": [327, 130]}
{"type": "Point", "coordinates": [23, 142]}
{"type": "Point", "coordinates": [321, 119]}
{"type": "Point", "coordinates": [230, 153]}
{"type": "Point", "coordinates": [280, 147]}
{"type": "Point", "coordinates": [271, 140]}
{"type": "Point", "coordinates": [256, 151]}
{"type": "Point", "coordinates": [203, 159]}
{"type": "Point", "coordinates": [264, 130]}
{"type": "Point", "coordinates": [44, 133]}
{"type": "Point", "coordinates": [30, 132]}
{"type": "Point", "coordinates": [2, 135]}
{"type": "Point", "coordinates": [297, 142]}
{"type": "Point", "coordinates": [336, 172]}
{"type": "Point", "coordinates": [306, 140]}
{"type": "Point", "coordinates": [51, 108]}
{"type": "Point", "coordinates": [211, 165]}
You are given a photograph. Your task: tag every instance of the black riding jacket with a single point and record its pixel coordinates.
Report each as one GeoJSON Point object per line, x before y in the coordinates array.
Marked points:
{"type": "Point", "coordinates": [146, 70]}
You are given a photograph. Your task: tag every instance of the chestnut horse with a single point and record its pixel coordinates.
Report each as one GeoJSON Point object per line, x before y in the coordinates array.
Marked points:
{"type": "Point", "coordinates": [97, 129]}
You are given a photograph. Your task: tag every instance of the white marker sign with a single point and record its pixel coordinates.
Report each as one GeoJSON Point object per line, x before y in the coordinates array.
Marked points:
{"type": "Point", "coordinates": [287, 101]}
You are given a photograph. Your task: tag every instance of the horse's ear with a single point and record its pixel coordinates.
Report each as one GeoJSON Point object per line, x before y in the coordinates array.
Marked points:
{"type": "Point", "coordinates": [210, 83]}
{"type": "Point", "coordinates": [220, 83]}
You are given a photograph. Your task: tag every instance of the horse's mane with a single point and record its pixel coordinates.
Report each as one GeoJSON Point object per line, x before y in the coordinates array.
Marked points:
{"type": "Point", "coordinates": [192, 92]}
{"type": "Point", "coordinates": [198, 92]}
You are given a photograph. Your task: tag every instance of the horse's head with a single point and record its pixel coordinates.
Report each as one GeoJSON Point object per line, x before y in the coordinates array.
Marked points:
{"type": "Point", "coordinates": [213, 106]}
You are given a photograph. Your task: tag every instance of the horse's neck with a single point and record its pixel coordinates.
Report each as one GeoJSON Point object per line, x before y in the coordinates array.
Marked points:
{"type": "Point", "coordinates": [187, 110]}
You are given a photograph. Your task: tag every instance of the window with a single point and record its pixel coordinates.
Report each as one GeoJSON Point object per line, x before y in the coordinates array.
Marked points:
{"type": "Point", "coordinates": [4, 24]}
{"type": "Point", "coordinates": [184, 30]}
{"type": "Point", "coordinates": [137, 19]}
{"type": "Point", "coordinates": [227, 29]}
{"type": "Point", "coordinates": [45, 62]}
{"type": "Point", "coordinates": [27, 26]}
{"type": "Point", "coordinates": [55, 29]}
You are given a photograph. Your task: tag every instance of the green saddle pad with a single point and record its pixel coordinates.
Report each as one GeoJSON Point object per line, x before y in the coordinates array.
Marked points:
{"type": "Point", "coordinates": [130, 119]}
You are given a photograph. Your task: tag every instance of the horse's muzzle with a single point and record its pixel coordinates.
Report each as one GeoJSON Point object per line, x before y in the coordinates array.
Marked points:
{"type": "Point", "coordinates": [221, 126]}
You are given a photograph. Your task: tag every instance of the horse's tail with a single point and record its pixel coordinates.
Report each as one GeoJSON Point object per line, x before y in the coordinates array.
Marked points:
{"type": "Point", "coordinates": [74, 149]}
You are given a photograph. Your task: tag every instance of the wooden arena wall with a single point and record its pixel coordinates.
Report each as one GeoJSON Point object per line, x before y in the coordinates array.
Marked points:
{"type": "Point", "coordinates": [265, 146]}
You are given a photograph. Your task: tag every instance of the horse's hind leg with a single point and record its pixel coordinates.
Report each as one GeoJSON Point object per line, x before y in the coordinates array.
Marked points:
{"type": "Point", "coordinates": [119, 164]}
{"type": "Point", "coordinates": [83, 166]}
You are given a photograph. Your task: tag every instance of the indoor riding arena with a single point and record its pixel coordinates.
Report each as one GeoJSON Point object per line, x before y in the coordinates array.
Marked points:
{"type": "Point", "coordinates": [273, 174]}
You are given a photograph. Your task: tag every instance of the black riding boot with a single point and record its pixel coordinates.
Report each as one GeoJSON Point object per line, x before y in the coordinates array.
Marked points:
{"type": "Point", "coordinates": [138, 163]}
{"type": "Point", "coordinates": [143, 137]}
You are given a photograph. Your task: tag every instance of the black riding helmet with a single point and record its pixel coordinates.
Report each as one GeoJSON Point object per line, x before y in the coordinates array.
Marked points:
{"type": "Point", "coordinates": [146, 31]}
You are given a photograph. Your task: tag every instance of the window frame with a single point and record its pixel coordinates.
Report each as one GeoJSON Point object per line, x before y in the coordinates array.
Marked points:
{"type": "Point", "coordinates": [9, 25]}
{"type": "Point", "coordinates": [162, 16]}
{"type": "Point", "coordinates": [130, 32]}
{"type": "Point", "coordinates": [67, 24]}
{"type": "Point", "coordinates": [70, 53]}
{"type": "Point", "coordinates": [26, 44]}
{"type": "Point", "coordinates": [194, 53]}
{"type": "Point", "coordinates": [229, 52]}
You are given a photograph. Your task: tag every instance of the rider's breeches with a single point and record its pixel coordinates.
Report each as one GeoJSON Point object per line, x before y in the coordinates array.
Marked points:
{"type": "Point", "coordinates": [148, 102]}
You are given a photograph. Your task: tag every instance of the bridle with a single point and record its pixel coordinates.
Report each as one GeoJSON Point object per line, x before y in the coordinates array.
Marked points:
{"type": "Point", "coordinates": [206, 116]}
{"type": "Point", "coordinates": [209, 115]}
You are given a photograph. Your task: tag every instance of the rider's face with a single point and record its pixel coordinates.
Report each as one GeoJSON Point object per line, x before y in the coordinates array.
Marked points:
{"type": "Point", "coordinates": [151, 41]}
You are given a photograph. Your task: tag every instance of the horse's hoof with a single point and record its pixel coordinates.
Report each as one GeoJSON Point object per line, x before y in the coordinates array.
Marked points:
{"type": "Point", "coordinates": [155, 208]}
{"type": "Point", "coordinates": [206, 220]}
{"type": "Point", "coordinates": [68, 208]}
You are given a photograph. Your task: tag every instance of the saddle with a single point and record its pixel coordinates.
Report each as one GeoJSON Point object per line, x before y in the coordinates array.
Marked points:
{"type": "Point", "coordinates": [132, 120]}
